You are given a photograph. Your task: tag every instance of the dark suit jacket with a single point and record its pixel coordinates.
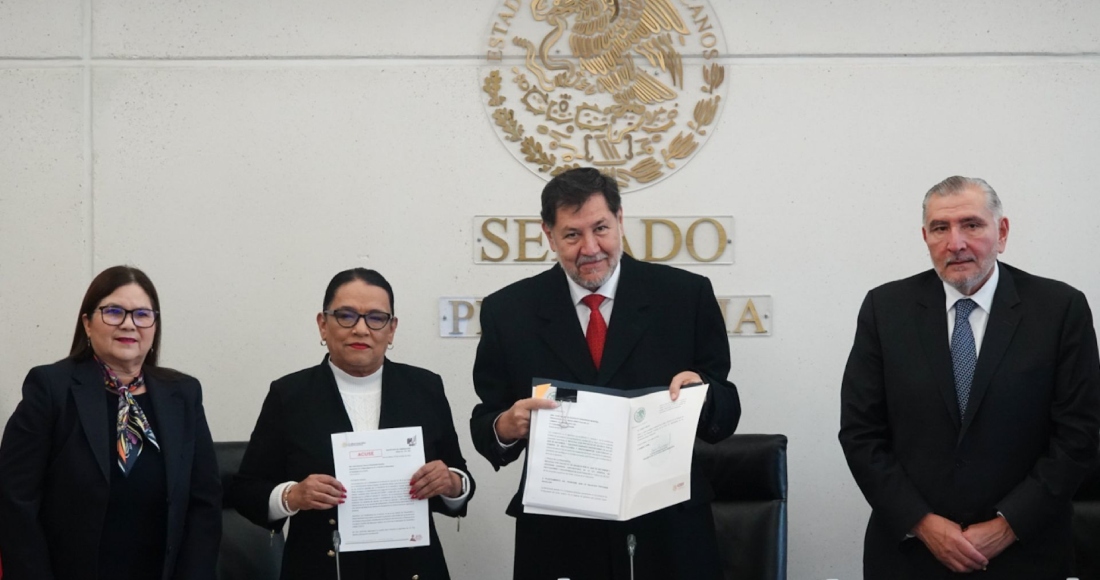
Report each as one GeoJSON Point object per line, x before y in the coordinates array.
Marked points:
{"type": "Point", "coordinates": [291, 441]}
{"type": "Point", "coordinates": [1027, 439]}
{"type": "Point", "coordinates": [55, 475]}
{"type": "Point", "coordinates": [664, 321]}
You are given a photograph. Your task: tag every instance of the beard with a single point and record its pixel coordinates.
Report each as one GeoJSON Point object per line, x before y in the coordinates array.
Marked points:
{"type": "Point", "coordinates": [967, 285]}
{"type": "Point", "coordinates": [594, 284]}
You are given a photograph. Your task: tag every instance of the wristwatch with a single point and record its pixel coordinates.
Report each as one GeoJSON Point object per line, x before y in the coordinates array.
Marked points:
{"type": "Point", "coordinates": [464, 478]}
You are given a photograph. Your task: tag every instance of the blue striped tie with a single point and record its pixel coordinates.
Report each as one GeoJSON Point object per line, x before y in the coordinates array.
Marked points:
{"type": "Point", "coordinates": [964, 356]}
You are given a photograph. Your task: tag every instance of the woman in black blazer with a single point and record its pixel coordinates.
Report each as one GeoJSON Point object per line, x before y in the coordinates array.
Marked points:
{"type": "Point", "coordinates": [287, 470]}
{"type": "Point", "coordinates": [107, 468]}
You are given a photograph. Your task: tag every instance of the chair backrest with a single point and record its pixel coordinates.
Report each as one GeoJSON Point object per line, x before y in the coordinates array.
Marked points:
{"type": "Point", "coordinates": [248, 552]}
{"type": "Point", "coordinates": [1086, 528]}
{"type": "Point", "coordinates": [749, 477]}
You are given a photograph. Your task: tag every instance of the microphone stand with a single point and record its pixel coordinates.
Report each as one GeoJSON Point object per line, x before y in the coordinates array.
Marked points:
{"type": "Point", "coordinates": [631, 545]}
{"type": "Point", "coordinates": [336, 550]}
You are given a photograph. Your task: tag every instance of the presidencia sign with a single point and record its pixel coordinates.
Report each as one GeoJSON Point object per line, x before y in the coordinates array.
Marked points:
{"type": "Point", "coordinates": [744, 315]}
{"type": "Point", "coordinates": [630, 87]}
{"type": "Point", "coordinates": [669, 239]}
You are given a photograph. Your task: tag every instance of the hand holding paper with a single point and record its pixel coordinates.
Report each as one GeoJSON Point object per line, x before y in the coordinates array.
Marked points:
{"type": "Point", "coordinates": [515, 423]}
{"type": "Point", "coordinates": [316, 492]}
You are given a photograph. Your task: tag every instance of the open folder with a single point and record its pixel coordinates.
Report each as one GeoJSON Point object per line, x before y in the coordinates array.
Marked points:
{"type": "Point", "coordinates": [610, 454]}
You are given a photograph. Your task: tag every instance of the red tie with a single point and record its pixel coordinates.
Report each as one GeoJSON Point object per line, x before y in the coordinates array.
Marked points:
{"type": "Point", "coordinates": [597, 327]}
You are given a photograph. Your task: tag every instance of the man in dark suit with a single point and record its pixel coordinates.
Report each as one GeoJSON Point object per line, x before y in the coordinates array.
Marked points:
{"type": "Point", "coordinates": [647, 325]}
{"type": "Point", "coordinates": [970, 405]}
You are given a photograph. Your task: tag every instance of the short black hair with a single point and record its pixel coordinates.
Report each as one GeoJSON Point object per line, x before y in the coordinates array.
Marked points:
{"type": "Point", "coordinates": [367, 276]}
{"type": "Point", "coordinates": [573, 188]}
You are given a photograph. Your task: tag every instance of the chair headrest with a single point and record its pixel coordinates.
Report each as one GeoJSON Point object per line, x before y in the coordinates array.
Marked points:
{"type": "Point", "coordinates": [745, 467]}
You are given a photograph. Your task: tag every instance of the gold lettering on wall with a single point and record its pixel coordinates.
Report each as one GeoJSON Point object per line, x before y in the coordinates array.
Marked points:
{"type": "Point", "coordinates": [677, 240]}
{"type": "Point", "coordinates": [525, 239]}
{"type": "Point", "coordinates": [494, 239]}
{"type": "Point", "coordinates": [459, 317]}
{"type": "Point", "coordinates": [748, 314]}
{"type": "Point", "coordinates": [719, 229]}
{"type": "Point", "coordinates": [673, 240]}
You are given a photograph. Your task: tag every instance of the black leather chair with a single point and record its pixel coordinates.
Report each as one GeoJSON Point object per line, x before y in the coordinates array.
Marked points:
{"type": "Point", "coordinates": [1086, 528]}
{"type": "Point", "coordinates": [749, 476]}
{"type": "Point", "coordinates": [248, 552]}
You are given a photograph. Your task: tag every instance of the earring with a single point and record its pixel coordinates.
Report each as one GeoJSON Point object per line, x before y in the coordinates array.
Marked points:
{"type": "Point", "coordinates": [324, 342]}
{"type": "Point", "coordinates": [390, 346]}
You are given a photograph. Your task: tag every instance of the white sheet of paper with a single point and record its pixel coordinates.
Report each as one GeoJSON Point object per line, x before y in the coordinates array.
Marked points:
{"type": "Point", "coordinates": [375, 467]}
{"type": "Point", "coordinates": [576, 455]}
{"type": "Point", "coordinates": [662, 438]}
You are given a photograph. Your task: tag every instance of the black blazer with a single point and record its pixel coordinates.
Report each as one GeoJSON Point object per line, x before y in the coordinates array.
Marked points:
{"type": "Point", "coordinates": [292, 441]}
{"type": "Point", "coordinates": [664, 321]}
{"type": "Point", "coordinates": [55, 475]}
{"type": "Point", "coordinates": [1027, 439]}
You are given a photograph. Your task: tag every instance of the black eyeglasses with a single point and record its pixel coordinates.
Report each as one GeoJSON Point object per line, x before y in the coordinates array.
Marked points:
{"type": "Point", "coordinates": [116, 315]}
{"type": "Point", "coordinates": [348, 318]}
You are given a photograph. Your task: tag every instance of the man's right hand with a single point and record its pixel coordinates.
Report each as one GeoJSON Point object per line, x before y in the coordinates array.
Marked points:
{"type": "Point", "coordinates": [515, 423]}
{"type": "Point", "coordinates": [945, 540]}
{"type": "Point", "coordinates": [316, 492]}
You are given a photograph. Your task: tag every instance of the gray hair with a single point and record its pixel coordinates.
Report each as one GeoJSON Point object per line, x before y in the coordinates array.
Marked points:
{"type": "Point", "coordinates": [955, 185]}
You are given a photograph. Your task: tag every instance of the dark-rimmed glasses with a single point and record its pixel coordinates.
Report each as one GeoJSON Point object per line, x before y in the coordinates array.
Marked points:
{"type": "Point", "coordinates": [375, 319]}
{"type": "Point", "coordinates": [116, 315]}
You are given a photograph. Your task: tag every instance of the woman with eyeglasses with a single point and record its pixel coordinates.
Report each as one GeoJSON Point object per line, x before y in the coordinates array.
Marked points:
{"type": "Point", "coordinates": [288, 469]}
{"type": "Point", "coordinates": [107, 468]}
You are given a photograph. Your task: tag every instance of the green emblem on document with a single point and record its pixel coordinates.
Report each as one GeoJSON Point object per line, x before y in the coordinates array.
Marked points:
{"type": "Point", "coordinates": [639, 415]}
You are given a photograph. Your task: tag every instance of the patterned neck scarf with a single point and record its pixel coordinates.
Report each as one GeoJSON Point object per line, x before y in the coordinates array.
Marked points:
{"type": "Point", "coordinates": [133, 425]}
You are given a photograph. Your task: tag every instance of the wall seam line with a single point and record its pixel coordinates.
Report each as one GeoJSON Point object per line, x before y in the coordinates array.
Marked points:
{"type": "Point", "coordinates": [89, 170]}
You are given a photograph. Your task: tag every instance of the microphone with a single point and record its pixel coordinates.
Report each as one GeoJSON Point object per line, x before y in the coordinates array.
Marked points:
{"type": "Point", "coordinates": [631, 545]}
{"type": "Point", "coordinates": [336, 550]}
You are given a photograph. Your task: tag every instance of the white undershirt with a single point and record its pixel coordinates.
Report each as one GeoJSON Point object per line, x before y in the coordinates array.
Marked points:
{"type": "Point", "coordinates": [578, 292]}
{"type": "Point", "coordinates": [362, 398]}
{"type": "Point", "coordinates": [980, 315]}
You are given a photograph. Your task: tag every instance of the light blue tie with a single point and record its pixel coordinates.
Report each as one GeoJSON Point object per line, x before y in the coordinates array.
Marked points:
{"type": "Point", "coordinates": [964, 356]}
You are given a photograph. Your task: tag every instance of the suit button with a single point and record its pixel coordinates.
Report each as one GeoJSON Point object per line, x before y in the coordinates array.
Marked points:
{"type": "Point", "coordinates": [331, 554]}
{"type": "Point", "coordinates": [332, 522]}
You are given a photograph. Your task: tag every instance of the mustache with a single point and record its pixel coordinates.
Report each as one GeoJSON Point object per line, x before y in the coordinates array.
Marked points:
{"type": "Point", "coordinates": [961, 257]}
{"type": "Point", "coordinates": [590, 259]}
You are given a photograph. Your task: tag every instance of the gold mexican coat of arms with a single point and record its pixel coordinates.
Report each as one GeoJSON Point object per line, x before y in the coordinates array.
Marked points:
{"type": "Point", "coordinates": [631, 87]}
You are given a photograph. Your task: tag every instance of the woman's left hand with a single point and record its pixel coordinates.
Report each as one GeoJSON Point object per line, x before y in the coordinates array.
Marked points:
{"type": "Point", "coordinates": [434, 479]}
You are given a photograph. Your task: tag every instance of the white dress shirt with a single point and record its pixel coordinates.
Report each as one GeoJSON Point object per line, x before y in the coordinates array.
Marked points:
{"type": "Point", "coordinates": [980, 315]}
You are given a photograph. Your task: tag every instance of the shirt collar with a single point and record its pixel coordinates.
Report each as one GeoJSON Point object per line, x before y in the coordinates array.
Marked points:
{"type": "Point", "coordinates": [577, 292]}
{"type": "Point", "coordinates": [983, 297]}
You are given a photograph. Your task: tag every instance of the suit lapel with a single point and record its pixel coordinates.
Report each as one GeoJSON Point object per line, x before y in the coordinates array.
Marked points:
{"type": "Point", "coordinates": [392, 411]}
{"type": "Point", "coordinates": [560, 329]}
{"type": "Point", "coordinates": [330, 405]}
{"type": "Point", "coordinates": [629, 321]}
{"type": "Point", "coordinates": [167, 422]}
{"type": "Point", "coordinates": [91, 406]}
{"type": "Point", "coordinates": [999, 330]}
{"type": "Point", "coordinates": [327, 409]}
{"type": "Point", "coordinates": [932, 329]}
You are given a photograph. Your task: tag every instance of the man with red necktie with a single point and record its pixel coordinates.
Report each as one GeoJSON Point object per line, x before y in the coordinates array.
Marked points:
{"type": "Point", "coordinates": [599, 317]}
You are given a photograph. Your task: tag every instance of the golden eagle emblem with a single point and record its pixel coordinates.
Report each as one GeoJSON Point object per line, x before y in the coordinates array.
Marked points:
{"type": "Point", "coordinates": [632, 87]}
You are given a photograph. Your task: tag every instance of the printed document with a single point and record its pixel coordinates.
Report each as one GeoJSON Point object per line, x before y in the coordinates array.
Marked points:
{"type": "Point", "coordinates": [376, 467]}
{"type": "Point", "coordinates": [610, 454]}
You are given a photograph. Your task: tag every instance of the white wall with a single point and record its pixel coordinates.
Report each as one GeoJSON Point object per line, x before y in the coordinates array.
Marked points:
{"type": "Point", "coordinates": [243, 152]}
